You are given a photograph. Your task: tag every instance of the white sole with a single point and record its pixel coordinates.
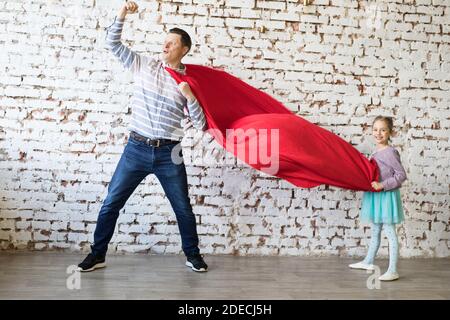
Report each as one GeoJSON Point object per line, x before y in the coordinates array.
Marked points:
{"type": "Point", "coordinates": [96, 266]}
{"type": "Point", "coordinates": [393, 278]}
{"type": "Point", "coordinates": [370, 268]}
{"type": "Point", "coordinates": [190, 265]}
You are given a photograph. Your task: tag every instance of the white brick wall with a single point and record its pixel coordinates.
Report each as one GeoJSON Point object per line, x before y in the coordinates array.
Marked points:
{"type": "Point", "coordinates": [338, 63]}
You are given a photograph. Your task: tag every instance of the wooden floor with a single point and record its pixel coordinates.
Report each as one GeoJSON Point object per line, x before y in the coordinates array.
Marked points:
{"type": "Point", "coordinates": [42, 275]}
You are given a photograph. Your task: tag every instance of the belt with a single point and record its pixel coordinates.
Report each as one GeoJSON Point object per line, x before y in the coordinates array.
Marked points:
{"type": "Point", "coordinates": [151, 142]}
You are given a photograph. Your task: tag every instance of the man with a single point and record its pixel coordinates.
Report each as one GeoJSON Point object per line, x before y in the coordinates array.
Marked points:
{"type": "Point", "coordinates": [158, 107]}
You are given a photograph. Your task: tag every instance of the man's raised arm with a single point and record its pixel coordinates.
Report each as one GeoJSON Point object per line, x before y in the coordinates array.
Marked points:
{"type": "Point", "coordinates": [129, 58]}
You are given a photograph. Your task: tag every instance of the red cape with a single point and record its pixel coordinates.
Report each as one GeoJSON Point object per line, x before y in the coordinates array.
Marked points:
{"type": "Point", "coordinates": [308, 154]}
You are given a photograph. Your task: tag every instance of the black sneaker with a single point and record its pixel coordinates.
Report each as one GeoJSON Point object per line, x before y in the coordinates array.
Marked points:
{"type": "Point", "coordinates": [91, 262]}
{"type": "Point", "coordinates": [196, 263]}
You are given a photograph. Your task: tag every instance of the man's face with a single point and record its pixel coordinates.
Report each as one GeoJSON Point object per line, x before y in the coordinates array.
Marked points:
{"type": "Point", "coordinates": [173, 49]}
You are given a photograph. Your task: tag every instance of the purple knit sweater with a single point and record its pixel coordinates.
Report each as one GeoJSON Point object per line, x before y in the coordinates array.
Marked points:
{"type": "Point", "coordinates": [392, 173]}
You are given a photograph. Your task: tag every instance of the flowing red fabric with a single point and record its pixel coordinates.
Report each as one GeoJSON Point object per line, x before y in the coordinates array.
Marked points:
{"type": "Point", "coordinates": [308, 155]}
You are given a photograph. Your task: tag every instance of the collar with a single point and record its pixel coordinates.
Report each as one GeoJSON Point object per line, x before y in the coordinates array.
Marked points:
{"type": "Point", "coordinates": [181, 70]}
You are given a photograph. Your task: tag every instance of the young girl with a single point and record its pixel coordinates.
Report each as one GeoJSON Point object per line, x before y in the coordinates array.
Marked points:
{"type": "Point", "coordinates": [383, 208]}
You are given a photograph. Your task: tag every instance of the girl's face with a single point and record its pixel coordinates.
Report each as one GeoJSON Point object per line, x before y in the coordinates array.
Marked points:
{"type": "Point", "coordinates": [381, 132]}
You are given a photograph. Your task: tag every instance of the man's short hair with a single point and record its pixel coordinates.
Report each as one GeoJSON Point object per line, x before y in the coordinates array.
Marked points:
{"type": "Point", "coordinates": [185, 38]}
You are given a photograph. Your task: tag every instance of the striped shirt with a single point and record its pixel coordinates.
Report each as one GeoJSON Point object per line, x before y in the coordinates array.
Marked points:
{"type": "Point", "coordinates": [158, 107]}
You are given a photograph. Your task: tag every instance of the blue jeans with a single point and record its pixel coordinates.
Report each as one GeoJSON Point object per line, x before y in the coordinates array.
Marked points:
{"type": "Point", "coordinates": [137, 161]}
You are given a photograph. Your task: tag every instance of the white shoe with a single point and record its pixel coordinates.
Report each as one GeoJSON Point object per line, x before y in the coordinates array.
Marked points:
{"type": "Point", "coordinates": [389, 276]}
{"type": "Point", "coordinates": [362, 265]}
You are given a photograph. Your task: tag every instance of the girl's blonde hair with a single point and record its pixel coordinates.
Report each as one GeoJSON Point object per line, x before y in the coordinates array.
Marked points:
{"type": "Point", "coordinates": [387, 120]}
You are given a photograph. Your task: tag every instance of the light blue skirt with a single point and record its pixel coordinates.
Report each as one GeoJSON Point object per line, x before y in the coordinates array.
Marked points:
{"type": "Point", "coordinates": [382, 207]}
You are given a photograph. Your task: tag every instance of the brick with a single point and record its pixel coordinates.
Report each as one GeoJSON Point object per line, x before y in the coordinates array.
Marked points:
{"type": "Point", "coordinates": [240, 23]}
{"type": "Point", "coordinates": [241, 3]}
{"type": "Point", "coordinates": [278, 5]}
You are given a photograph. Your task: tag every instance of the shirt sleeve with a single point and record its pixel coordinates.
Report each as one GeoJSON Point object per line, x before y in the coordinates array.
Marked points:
{"type": "Point", "coordinates": [399, 176]}
{"type": "Point", "coordinates": [196, 114]}
{"type": "Point", "coordinates": [130, 59]}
